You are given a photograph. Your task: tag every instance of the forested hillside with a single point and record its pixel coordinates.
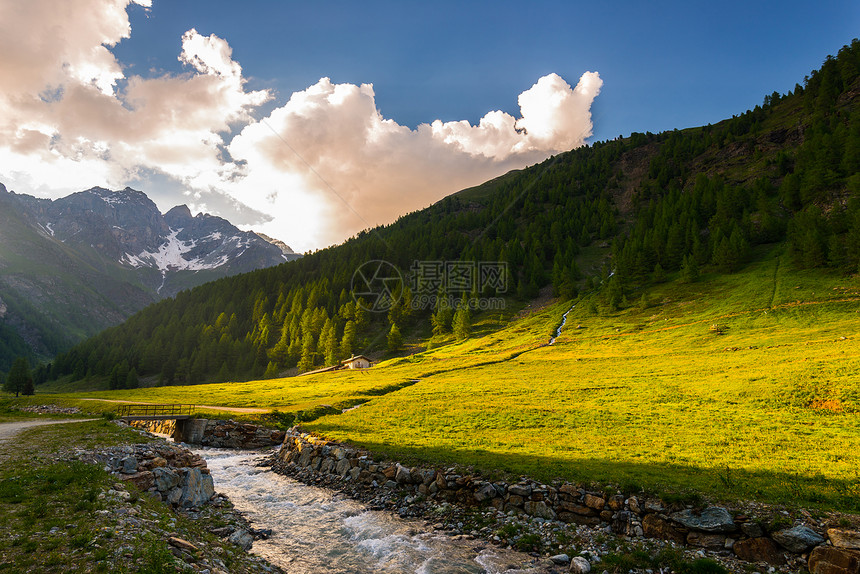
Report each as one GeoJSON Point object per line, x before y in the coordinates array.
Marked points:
{"type": "Point", "coordinates": [616, 215]}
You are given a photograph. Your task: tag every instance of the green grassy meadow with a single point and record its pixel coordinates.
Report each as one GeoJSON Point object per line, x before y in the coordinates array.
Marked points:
{"type": "Point", "coordinates": [736, 386]}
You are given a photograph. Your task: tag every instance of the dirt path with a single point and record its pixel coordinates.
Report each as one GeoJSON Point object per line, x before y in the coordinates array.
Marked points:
{"type": "Point", "coordinates": [207, 407]}
{"type": "Point", "coordinates": [9, 430]}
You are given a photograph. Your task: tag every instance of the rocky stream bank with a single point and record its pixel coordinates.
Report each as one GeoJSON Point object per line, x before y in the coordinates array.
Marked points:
{"type": "Point", "coordinates": [580, 527]}
{"type": "Point", "coordinates": [565, 527]}
{"type": "Point", "coordinates": [202, 530]}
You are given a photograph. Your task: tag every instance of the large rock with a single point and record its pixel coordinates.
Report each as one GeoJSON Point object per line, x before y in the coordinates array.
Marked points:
{"type": "Point", "coordinates": [305, 457]}
{"type": "Point", "coordinates": [844, 538]}
{"type": "Point", "coordinates": [182, 544]}
{"type": "Point", "coordinates": [339, 453]}
{"type": "Point", "coordinates": [577, 509]}
{"type": "Point", "coordinates": [539, 509]}
{"type": "Point", "coordinates": [197, 488]}
{"type": "Point", "coordinates": [129, 465]}
{"type": "Point", "coordinates": [705, 540]}
{"type": "Point", "coordinates": [242, 539]}
{"type": "Point", "coordinates": [174, 496]}
{"type": "Point", "coordinates": [523, 490]}
{"type": "Point", "coordinates": [654, 526]}
{"type": "Point", "coordinates": [831, 560]}
{"type": "Point", "coordinates": [579, 565]}
{"type": "Point", "coordinates": [142, 480]}
{"type": "Point", "coordinates": [711, 519]}
{"type": "Point", "coordinates": [165, 478]}
{"type": "Point", "coordinates": [484, 492]}
{"type": "Point", "coordinates": [759, 550]}
{"type": "Point", "coordinates": [594, 502]}
{"type": "Point", "coordinates": [798, 539]}
{"type": "Point", "coordinates": [616, 502]}
{"type": "Point", "coordinates": [402, 476]}
{"type": "Point", "coordinates": [343, 467]}
{"type": "Point", "coordinates": [560, 559]}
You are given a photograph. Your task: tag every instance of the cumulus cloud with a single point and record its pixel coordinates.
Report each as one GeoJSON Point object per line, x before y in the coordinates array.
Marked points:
{"type": "Point", "coordinates": [65, 124]}
{"type": "Point", "coordinates": [367, 170]}
{"type": "Point", "coordinates": [322, 166]}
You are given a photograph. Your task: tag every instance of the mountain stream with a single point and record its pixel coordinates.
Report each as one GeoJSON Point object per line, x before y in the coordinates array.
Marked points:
{"type": "Point", "coordinates": [315, 530]}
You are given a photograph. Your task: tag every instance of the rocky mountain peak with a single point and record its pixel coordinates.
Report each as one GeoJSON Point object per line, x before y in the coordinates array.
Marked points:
{"type": "Point", "coordinates": [286, 249]}
{"type": "Point", "coordinates": [178, 217]}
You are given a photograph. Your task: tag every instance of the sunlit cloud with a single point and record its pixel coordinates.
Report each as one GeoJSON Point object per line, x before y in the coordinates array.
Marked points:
{"type": "Point", "coordinates": [320, 167]}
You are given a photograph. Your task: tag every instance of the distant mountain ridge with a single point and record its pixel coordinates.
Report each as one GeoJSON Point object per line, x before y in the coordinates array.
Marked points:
{"type": "Point", "coordinates": [73, 266]}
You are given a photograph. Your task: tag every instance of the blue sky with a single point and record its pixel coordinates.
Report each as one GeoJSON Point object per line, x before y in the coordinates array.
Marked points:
{"type": "Point", "coordinates": [665, 65]}
{"type": "Point", "coordinates": [310, 121]}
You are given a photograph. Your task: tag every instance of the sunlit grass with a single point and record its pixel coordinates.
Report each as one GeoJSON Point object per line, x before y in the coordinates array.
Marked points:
{"type": "Point", "coordinates": [739, 386]}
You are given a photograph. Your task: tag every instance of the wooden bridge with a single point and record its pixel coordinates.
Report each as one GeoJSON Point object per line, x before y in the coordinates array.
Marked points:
{"type": "Point", "coordinates": [187, 429]}
{"type": "Point", "coordinates": [130, 413]}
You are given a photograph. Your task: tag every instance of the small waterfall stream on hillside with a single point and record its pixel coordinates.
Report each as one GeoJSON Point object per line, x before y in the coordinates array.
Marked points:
{"type": "Point", "coordinates": [316, 531]}
{"type": "Point", "coordinates": [563, 321]}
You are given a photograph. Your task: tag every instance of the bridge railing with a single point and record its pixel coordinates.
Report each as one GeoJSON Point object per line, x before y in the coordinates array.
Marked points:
{"type": "Point", "coordinates": [155, 410]}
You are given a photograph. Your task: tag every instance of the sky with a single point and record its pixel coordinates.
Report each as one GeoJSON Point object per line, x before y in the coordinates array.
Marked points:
{"type": "Point", "coordinates": [310, 121]}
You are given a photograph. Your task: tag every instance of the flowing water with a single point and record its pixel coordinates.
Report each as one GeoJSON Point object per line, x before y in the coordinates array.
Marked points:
{"type": "Point", "coordinates": [563, 321]}
{"type": "Point", "coordinates": [316, 531]}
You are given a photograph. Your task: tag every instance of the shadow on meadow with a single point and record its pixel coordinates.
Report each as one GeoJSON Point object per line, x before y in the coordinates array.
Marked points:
{"type": "Point", "coordinates": [671, 482]}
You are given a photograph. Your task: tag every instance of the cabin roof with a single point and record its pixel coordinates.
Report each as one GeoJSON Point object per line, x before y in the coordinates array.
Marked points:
{"type": "Point", "coordinates": [356, 357]}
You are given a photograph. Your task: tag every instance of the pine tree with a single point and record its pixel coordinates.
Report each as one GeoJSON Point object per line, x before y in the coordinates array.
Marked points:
{"type": "Point", "coordinates": [347, 344]}
{"type": "Point", "coordinates": [462, 324]}
{"type": "Point", "coordinates": [614, 294]}
{"type": "Point", "coordinates": [271, 371]}
{"type": "Point", "coordinates": [223, 373]}
{"type": "Point", "coordinates": [689, 270]}
{"type": "Point", "coordinates": [131, 380]}
{"type": "Point", "coordinates": [18, 377]}
{"type": "Point", "coordinates": [280, 352]}
{"type": "Point", "coordinates": [113, 381]}
{"type": "Point", "coordinates": [332, 349]}
{"type": "Point", "coordinates": [395, 340]}
{"type": "Point", "coordinates": [306, 362]}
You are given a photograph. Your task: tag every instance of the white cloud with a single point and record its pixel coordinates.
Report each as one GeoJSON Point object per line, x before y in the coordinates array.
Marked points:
{"type": "Point", "coordinates": [65, 126]}
{"type": "Point", "coordinates": [322, 166]}
{"type": "Point", "coordinates": [366, 170]}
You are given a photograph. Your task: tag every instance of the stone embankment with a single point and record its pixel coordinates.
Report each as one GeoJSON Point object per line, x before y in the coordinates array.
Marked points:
{"type": "Point", "coordinates": [179, 479]}
{"type": "Point", "coordinates": [220, 433]}
{"type": "Point", "coordinates": [758, 534]}
{"type": "Point", "coordinates": [167, 472]}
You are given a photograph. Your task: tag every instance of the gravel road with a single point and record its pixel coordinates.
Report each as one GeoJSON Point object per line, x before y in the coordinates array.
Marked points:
{"type": "Point", "coordinates": [9, 430]}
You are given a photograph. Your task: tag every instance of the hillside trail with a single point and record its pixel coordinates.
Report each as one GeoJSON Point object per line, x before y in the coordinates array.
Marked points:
{"type": "Point", "coordinates": [207, 407]}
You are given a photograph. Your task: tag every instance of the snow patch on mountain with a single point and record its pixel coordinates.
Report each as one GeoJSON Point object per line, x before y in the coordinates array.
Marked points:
{"type": "Point", "coordinates": [112, 199]}
{"type": "Point", "coordinates": [171, 254]}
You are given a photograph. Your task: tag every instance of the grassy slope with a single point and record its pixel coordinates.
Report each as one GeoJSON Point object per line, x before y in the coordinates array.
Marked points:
{"type": "Point", "coordinates": [650, 396]}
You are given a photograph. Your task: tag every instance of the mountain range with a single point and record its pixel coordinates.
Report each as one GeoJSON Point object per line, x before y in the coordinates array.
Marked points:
{"type": "Point", "coordinates": [71, 267]}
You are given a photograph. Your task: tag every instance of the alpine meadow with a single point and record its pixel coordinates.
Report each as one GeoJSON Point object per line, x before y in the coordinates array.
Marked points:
{"type": "Point", "coordinates": [708, 279]}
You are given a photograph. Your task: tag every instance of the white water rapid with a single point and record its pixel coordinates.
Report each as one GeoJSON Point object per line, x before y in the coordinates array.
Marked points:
{"type": "Point", "coordinates": [316, 531]}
